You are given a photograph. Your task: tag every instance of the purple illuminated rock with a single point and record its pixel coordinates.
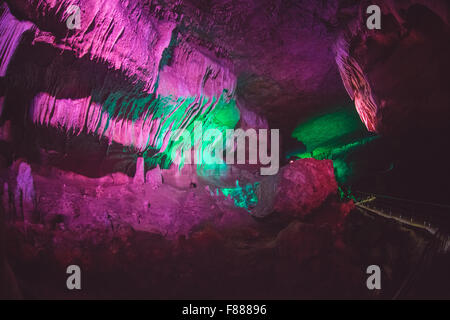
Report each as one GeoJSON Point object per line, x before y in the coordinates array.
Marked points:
{"type": "Point", "coordinates": [122, 34]}
{"type": "Point", "coordinates": [153, 177]}
{"type": "Point", "coordinates": [139, 177]}
{"type": "Point", "coordinates": [24, 193]}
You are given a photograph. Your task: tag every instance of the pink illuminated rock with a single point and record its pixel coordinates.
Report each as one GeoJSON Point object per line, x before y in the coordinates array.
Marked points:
{"type": "Point", "coordinates": [180, 178]}
{"type": "Point", "coordinates": [11, 31]}
{"type": "Point", "coordinates": [139, 177]}
{"type": "Point", "coordinates": [153, 178]}
{"type": "Point", "coordinates": [284, 64]}
{"type": "Point", "coordinates": [304, 185]}
{"type": "Point", "coordinates": [192, 71]}
{"type": "Point", "coordinates": [122, 35]}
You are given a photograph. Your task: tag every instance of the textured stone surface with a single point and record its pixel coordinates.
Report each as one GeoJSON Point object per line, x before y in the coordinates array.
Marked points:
{"type": "Point", "coordinates": [121, 33]}
{"type": "Point", "coordinates": [397, 76]}
{"type": "Point", "coordinates": [24, 193]}
{"type": "Point", "coordinates": [139, 176]}
{"type": "Point", "coordinates": [304, 185]}
{"type": "Point", "coordinates": [276, 56]}
{"type": "Point", "coordinates": [92, 108]}
{"type": "Point", "coordinates": [154, 178]}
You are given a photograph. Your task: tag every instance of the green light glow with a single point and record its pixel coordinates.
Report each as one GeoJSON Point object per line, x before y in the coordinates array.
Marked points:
{"type": "Point", "coordinates": [335, 128]}
{"type": "Point", "coordinates": [244, 197]}
{"type": "Point", "coordinates": [338, 135]}
{"type": "Point", "coordinates": [171, 114]}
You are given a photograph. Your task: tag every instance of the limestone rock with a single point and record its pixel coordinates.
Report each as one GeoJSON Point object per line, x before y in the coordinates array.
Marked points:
{"type": "Point", "coordinates": [304, 185]}
{"type": "Point", "coordinates": [24, 195]}
{"type": "Point", "coordinates": [139, 177]}
{"type": "Point", "coordinates": [154, 178]}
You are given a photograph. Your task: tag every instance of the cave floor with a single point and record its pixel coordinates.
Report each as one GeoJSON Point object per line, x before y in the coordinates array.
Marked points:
{"type": "Point", "coordinates": [126, 250]}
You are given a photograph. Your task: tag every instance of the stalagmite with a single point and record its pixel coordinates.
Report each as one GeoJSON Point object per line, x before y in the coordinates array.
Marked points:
{"type": "Point", "coordinates": [139, 177]}
{"type": "Point", "coordinates": [25, 196]}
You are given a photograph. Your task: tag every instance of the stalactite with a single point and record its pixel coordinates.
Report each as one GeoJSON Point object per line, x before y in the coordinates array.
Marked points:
{"type": "Point", "coordinates": [11, 31]}
{"type": "Point", "coordinates": [149, 123]}
{"type": "Point", "coordinates": [356, 84]}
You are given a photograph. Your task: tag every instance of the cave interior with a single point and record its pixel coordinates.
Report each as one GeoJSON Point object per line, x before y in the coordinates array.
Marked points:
{"type": "Point", "coordinates": [88, 176]}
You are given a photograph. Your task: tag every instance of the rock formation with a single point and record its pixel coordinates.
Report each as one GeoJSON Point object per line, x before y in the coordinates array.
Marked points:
{"type": "Point", "coordinates": [91, 115]}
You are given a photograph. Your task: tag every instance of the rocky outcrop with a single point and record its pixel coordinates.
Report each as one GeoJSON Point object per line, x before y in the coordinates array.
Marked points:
{"type": "Point", "coordinates": [139, 176]}
{"type": "Point", "coordinates": [304, 185]}
{"type": "Point", "coordinates": [11, 31]}
{"type": "Point", "coordinates": [154, 178]}
{"type": "Point", "coordinates": [273, 55]}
